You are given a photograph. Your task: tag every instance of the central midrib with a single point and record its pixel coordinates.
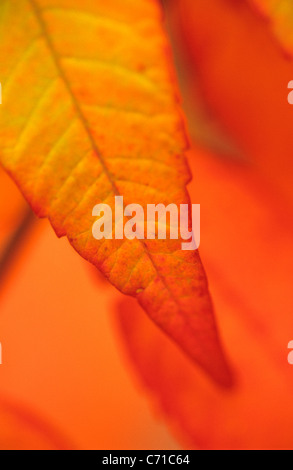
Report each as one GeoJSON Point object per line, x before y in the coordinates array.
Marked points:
{"type": "Point", "coordinates": [84, 121]}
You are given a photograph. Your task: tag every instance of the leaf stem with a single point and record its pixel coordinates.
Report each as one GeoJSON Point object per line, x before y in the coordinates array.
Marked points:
{"type": "Point", "coordinates": [15, 242]}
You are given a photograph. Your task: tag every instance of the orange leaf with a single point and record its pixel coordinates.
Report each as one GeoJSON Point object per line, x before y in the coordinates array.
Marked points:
{"type": "Point", "coordinates": [280, 14]}
{"type": "Point", "coordinates": [243, 82]}
{"type": "Point", "coordinates": [89, 112]}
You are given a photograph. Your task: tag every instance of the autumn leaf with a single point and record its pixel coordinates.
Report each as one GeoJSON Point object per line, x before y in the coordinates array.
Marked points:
{"type": "Point", "coordinates": [280, 15]}
{"type": "Point", "coordinates": [250, 97]}
{"type": "Point", "coordinates": [90, 112]}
